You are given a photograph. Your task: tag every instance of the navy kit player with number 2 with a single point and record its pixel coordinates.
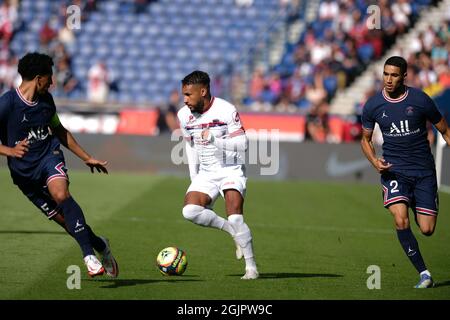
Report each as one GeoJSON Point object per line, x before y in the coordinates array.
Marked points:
{"type": "Point", "coordinates": [408, 174]}
{"type": "Point", "coordinates": [31, 134]}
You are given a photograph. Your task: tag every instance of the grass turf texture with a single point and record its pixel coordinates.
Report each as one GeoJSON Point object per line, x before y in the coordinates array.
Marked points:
{"type": "Point", "coordinates": [312, 241]}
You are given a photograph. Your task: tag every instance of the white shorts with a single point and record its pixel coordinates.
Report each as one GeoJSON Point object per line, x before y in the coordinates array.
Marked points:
{"type": "Point", "coordinates": [214, 183]}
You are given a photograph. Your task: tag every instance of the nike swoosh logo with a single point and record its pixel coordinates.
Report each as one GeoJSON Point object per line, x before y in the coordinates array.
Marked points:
{"type": "Point", "coordinates": [335, 168]}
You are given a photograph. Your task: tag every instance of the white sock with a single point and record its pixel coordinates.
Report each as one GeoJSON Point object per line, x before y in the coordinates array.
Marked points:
{"type": "Point", "coordinates": [206, 217]}
{"type": "Point", "coordinates": [243, 237]}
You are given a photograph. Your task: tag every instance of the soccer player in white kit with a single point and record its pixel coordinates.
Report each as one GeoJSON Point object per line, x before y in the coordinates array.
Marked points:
{"type": "Point", "coordinates": [215, 140]}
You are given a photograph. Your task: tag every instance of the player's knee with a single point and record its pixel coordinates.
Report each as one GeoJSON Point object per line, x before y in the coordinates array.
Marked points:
{"type": "Point", "coordinates": [60, 196]}
{"type": "Point", "coordinates": [401, 223]}
{"type": "Point", "coordinates": [427, 230]}
{"type": "Point", "coordinates": [191, 211]}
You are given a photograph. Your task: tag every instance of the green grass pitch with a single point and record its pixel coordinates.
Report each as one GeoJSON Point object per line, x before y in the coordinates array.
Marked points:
{"type": "Point", "coordinates": [312, 241]}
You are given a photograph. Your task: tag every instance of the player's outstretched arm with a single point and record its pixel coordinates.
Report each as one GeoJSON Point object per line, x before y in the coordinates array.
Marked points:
{"type": "Point", "coordinates": [443, 128]}
{"type": "Point", "coordinates": [236, 141]}
{"type": "Point", "coordinates": [18, 151]}
{"type": "Point", "coordinates": [67, 140]}
{"type": "Point", "coordinates": [369, 151]}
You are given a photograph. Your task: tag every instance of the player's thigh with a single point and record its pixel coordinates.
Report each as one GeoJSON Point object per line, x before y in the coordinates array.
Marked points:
{"type": "Point", "coordinates": [426, 203]}
{"type": "Point", "coordinates": [39, 196]}
{"type": "Point", "coordinates": [197, 198]}
{"type": "Point", "coordinates": [202, 191]}
{"type": "Point", "coordinates": [56, 178]}
{"type": "Point", "coordinates": [233, 188]}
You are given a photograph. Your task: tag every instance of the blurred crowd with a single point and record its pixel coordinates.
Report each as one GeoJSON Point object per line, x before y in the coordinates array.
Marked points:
{"type": "Point", "coordinates": [55, 37]}
{"type": "Point", "coordinates": [333, 49]}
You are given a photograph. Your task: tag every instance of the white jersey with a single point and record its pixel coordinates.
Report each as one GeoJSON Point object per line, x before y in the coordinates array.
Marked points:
{"type": "Point", "coordinates": [223, 122]}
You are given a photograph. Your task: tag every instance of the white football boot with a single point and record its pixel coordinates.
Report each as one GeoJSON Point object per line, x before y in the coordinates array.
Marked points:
{"type": "Point", "coordinates": [108, 261]}
{"type": "Point", "coordinates": [94, 266]}
{"type": "Point", "coordinates": [250, 274]}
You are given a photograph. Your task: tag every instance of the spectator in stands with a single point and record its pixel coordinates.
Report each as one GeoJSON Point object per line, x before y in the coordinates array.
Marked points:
{"type": "Point", "coordinates": [256, 84]}
{"type": "Point", "coordinates": [47, 34]}
{"type": "Point", "coordinates": [401, 11]}
{"type": "Point", "coordinates": [328, 10]}
{"type": "Point", "coordinates": [170, 115]}
{"type": "Point", "coordinates": [260, 105]}
{"type": "Point", "coordinates": [66, 83]}
{"type": "Point", "coordinates": [8, 20]}
{"type": "Point", "coordinates": [66, 36]}
{"type": "Point", "coordinates": [315, 92]}
{"type": "Point", "coordinates": [98, 83]}
{"type": "Point", "coordinates": [296, 88]}
{"type": "Point", "coordinates": [444, 77]}
{"type": "Point", "coordinates": [9, 77]}
{"type": "Point", "coordinates": [317, 122]}
{"type": "Point", "coordinates": [238, 90]}
{"type": "Point", "coordinates": [285, 105]}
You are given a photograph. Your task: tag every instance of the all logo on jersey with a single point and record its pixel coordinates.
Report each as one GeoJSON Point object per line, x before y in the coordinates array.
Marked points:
{"type": "Point", "coordinates": [37, 134]}
{"type": "Point", "coordinates": [400, 129]}
{"type": "Point", "coordinates": [24, 118]}
{"type": "Point", "coordinates": [404, 127]}
{"type": "Point", "coordinates": [384, 114]}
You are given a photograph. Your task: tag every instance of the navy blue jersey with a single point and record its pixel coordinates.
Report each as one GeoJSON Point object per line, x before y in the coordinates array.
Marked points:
{"type": "Point", "coordinates": [20, 119]}
{"type": "Point", "coordinates": [403, 123]}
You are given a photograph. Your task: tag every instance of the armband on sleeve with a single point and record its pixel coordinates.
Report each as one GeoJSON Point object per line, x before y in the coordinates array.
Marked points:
{"type": "Point", "coordinates": [54, 122]}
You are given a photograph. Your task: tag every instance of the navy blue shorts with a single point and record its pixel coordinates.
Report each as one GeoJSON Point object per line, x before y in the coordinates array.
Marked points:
{"type": "Point", "coordinates": [419, 192]}
{"type": "Point", "coordinates": [36, 189]}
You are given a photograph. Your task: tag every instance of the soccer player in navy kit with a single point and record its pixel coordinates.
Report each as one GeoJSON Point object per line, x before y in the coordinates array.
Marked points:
{"type": "Point", "coordinates": [31, 133]}
{"type": "Point", "coordinates": [407, 168]}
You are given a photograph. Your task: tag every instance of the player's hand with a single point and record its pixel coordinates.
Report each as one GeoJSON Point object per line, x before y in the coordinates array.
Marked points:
{"type": "Point", "coordinates": [20, 149]}
{"type": "Point", "coordinates": [381, 165]}
{"type": "Point", "coordinates": [97, 164]}
{"type": "Point", "coordinates": [207, 135]}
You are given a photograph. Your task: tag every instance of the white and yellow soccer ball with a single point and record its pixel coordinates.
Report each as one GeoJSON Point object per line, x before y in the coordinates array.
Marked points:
{"type": "Point", "coordinates": [172, 261]}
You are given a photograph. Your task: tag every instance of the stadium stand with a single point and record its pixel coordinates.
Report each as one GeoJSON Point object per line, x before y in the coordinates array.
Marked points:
{"type": "Point", "coordinates": [277, 56]}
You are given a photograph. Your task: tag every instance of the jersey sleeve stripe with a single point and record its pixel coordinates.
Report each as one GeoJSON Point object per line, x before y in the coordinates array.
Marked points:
{"type": "Point", "coordinates": [238, 132]}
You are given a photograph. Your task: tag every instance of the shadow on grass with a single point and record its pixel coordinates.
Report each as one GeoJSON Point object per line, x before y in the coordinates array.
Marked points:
{"type": "Point", "coordinates": [116, 283]}
{"type": "Point", "coordinates": [284, 275]}
{"type": "Point", "coordinates": [31, 232]}
{"type": "Point", "coordinates": [442, 284]}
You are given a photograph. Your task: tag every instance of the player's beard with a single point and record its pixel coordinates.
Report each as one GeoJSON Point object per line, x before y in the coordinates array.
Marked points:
{"type": "Point", "coordinates": [198, 108]}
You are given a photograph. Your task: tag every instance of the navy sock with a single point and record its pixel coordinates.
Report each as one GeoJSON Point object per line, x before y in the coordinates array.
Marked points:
{"type": "Point", "coordinates": [76, 224]}
{"type": "Point", "coordinates": [96, 242]}
{"type": "Point", "coordinates": [411, 248]}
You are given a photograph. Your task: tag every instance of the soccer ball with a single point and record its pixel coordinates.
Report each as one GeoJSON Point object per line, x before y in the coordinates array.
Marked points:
{"type": "Point", "coordinates": [171, 261]}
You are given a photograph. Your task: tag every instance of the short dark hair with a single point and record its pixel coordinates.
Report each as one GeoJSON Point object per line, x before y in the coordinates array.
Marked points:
{"type": "Point", "coordinates": [397, 62]}
{"type": "Point", "coordinates": [196, 77]}
{"type": "Point", "coordinates": [33, 64]}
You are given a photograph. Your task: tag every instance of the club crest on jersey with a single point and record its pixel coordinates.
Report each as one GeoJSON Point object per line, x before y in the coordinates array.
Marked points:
{"type": "Point", "coordinates": [191, 118]}
{"type": "Point", "coordinates": [409, 111]}
{"type": "Point", "coordinates": [236, 117]}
